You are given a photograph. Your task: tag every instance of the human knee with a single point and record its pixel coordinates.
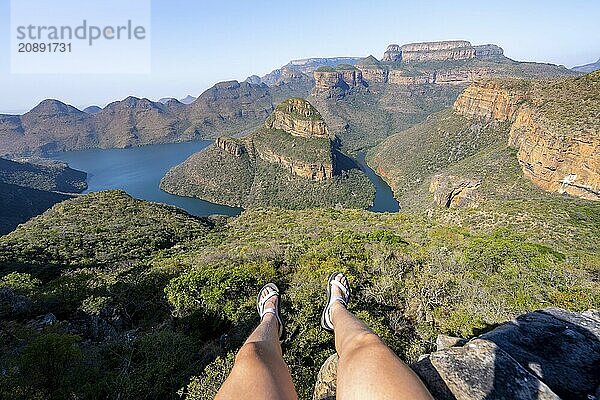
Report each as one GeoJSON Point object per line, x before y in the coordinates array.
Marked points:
{"type": "Point", "coordinates": [251, 351]}
{"type": "Point", "coordinates": [365, 340]}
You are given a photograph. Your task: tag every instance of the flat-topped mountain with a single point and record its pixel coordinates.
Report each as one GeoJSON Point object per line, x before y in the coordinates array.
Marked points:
{"type": "Point", "coordinates": [291, 162]}
{"type": "Point", "coordinates": [446, 62]}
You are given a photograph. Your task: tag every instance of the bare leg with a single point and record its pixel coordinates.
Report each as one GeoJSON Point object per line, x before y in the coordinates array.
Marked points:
{"type": "Point", "coordinates": [259, 371]}
{"type": "Point", "coordinates": [368, 369]}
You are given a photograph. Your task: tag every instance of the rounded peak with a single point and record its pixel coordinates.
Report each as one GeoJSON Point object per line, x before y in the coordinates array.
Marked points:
{"type": "Point", "coordinates": [299, 108]}
{"type": "Point", "coordinates": [53, 106]}
{"type": "Point", "coordinates": [393, 47]}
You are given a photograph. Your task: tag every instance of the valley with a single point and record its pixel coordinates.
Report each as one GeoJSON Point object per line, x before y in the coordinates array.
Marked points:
{"type": "Point", "coordinates": [456, 188]}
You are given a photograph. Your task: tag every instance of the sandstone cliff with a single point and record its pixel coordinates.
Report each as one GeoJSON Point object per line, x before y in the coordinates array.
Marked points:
{"type": "Point", "coordinates": [554, 127]}
{"type": "Point", "coordinates": [437, 51]}
{"type": "Point", "coordinates": [299, 118]}
{"type": "Point", "coordinates": [335, 82]}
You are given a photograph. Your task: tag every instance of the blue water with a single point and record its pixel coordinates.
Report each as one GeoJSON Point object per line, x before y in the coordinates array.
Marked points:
{"type": "Point", "coordinates": [138, 171]}
{"type": "Point", "coordinates": [384, 196]}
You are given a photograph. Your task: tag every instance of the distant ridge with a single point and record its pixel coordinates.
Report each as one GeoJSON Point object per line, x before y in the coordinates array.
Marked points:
{"type": "Point", "coordinates": [587, 68]}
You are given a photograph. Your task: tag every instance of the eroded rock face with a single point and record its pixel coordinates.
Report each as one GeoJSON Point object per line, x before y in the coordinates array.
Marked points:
{"type": "Point", "coordinates": [299, 118]}
{"type": "Point", "coordinates": [336, 82]}
{"type": "Point", "coordinates": [437, 51]}
{"type": "Point", "coordinates": [451, 191]}
{"type": "Point", "coordinates": [488, 50]}
{"type": "Point", "coordinates": [313, 171]}
{"type": "Point", "coordinates": [488, 101]}
{"type": "Point", "coordinates": [554, 161]}
{"type": "Point", "coordinates": [479, 371]}
{"type": "Point", "coordinates": [393, 53]}
{"type": "Point", "coordinates": [232, 146]}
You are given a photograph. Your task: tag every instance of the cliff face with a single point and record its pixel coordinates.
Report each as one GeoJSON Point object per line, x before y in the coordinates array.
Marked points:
{"type": "Point", "coordinates": [437, 51]}
{"type": "Point", "coordinates": [299, 118]}
{"type": "Point", "coordinates": [393, 53]}
{"type": "Point", "coordinates": [337, 81]}
{"type": "Point", "coordinates": [558, 149]}
{"type": "Point", "coordinates": [232, 146]}
{"type": "Point", "coordinates": [488, 101]}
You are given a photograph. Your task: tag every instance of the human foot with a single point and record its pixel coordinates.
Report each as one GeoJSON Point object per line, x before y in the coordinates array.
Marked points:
{"type": "Point", "coordinates": [267, 302]}
{"type": "Point", "coordinates": [338, 292]}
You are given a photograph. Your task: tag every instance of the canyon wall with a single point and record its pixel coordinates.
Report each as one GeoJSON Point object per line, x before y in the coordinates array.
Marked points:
{"type": "Point", "coordinates": [557, 158]}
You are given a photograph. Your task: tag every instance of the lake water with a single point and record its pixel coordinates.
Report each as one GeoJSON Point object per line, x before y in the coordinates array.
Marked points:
{"type": "Point", "coordinates": [138, 171]}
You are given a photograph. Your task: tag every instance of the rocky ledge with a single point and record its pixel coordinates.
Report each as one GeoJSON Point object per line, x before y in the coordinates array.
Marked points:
{"type": "Point", "coordinates": [558, 143]}
{"type": "Point", "coordinates": [546, 354]}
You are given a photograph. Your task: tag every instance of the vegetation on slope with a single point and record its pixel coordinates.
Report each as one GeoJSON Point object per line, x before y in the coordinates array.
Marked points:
{"type": "Point", "coordinates": [18, 204]}
{"type": "Point", "coordinates": [42, 175]}
{"type": "Point", "coordinates": [143, 319]}
{"type": "Point", "coordinates": [365, 118]}
{"type": "Point", "coordinates": [27, 188]}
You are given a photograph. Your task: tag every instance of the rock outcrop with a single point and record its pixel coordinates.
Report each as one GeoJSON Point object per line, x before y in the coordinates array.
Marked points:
{"type": "Point", "coordinates": [437, 51]}
{"type": "Point", "coordinates": [335, 82]}
{"type": "Point", "coordinates": [451, 191]}
{"type": "Point", "coordinates": [488, 50]}
{"type": "Point", "coordinates": [546, 354]}
{"type": "Point", "coordinates": [549, 354]}
{"type": "Point", "coordinates": [558, 149]}
{"type": "Point", "coordinates": [232, 146]}
{"type": "Point", "coordinates": [393, 53]}
{"type": "Point", "coordinates": [298, 118]}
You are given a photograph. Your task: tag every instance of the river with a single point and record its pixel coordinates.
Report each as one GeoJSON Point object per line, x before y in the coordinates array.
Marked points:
{"type": "Point", "coordinates": [138, 171]}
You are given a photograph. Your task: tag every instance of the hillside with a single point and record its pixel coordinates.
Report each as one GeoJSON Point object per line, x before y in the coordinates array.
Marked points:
{"type": "Point", "coordinates": [30, 187]}
{"type": "Point", "coordinates": [42, 175]}
{"type": "Point", "coordinates": [226, 108]}
{"type": "Point", "coordinates": [137, 300]}
{"type": "Point", "coordinates": [290, 162]}
{"type": "Point", "coordinates": [552, 125]}
{"type": "Point", "coordinates": [18, 204]}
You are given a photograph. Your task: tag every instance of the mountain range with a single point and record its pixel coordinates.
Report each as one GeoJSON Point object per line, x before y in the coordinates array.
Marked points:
{"type": "Point", "coordinates": [587, 68]}
{"type": "Point", "coordinates": [396, 90]}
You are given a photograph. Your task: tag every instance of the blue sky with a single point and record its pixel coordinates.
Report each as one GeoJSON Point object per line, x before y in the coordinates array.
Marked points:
{"type": "Point", "coordinates": [196, 43]}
